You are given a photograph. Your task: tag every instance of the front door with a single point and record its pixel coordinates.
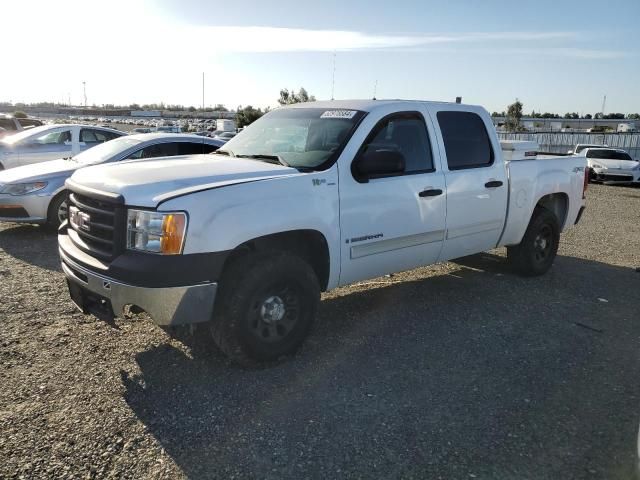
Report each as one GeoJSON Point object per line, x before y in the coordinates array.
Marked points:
{"type": "Point", "coordinates": [393, 223]}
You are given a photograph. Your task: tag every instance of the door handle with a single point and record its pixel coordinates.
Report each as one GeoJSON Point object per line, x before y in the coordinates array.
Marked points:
{"type": "Point", "coordinates": [431, 192]}
{"type": "Point", "coordinates": [493, 184]}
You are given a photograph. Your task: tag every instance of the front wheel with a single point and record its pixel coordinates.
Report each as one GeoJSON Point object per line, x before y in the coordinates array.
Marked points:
{"type": "Point", "coordinates": [58, 211]}
{"type": "Point", "coordinates": [537, 250]}
{"type": "Point", "coordinates": [266, 307]}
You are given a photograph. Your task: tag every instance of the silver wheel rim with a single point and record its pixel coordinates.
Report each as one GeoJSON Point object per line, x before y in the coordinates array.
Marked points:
{"type": "Point", "coordinates": [272, 310]}
{"type": "Point", "coordinates": [62, 211]}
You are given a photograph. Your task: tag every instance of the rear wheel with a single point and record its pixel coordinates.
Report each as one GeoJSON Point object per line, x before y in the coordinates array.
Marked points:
{"type": "Point", "coordinates": [58, 210]}
{"type": "Point", "coordinates": [266, 307]}
{"type": "Point", "coordinates": [537, 250]}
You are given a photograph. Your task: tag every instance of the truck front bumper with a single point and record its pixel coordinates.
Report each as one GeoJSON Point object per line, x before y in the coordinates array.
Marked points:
{"type": "Point", "coordinates": [100, 295]}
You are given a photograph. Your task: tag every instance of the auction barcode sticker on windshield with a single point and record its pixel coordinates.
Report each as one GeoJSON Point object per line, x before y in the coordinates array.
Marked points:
{"type": "Point", "coordinates": [338, 114]}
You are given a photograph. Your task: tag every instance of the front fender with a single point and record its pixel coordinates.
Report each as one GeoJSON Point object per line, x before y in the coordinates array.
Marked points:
{"type": "Point", "coordinates": [223, 218]}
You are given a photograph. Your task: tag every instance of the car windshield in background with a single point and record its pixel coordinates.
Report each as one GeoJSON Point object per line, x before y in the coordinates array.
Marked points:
{"type": "Point", "coordinates": [32, 132]}
{"type": "Point", "coordinates": [299, 137]}
{"type": "Point", "coordinates": [105, 151]}
{"type": "Point", "coordinates": [608, 155]}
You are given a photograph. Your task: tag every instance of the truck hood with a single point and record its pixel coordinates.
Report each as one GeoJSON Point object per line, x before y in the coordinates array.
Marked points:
{"type": "Point", "coordinates": [146, 183]}
{"type": "Point", "coordinates": [614, 164]}
{"type": "Point", "coordinates": [38, 171]}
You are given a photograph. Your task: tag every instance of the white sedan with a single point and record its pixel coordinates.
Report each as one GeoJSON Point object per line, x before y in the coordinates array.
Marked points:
{"type": "Point", "coordinates": [611, 165]}
{"type": "Point", "coordinates": [51, 142]}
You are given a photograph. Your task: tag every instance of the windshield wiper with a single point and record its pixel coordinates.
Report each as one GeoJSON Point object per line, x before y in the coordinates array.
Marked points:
{"type": "Point", "coordinates": [228, 153]}
{"type": "Point", "coordinates": [277, 159]}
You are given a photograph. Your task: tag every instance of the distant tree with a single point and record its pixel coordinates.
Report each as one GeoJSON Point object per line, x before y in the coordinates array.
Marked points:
{"type": "Point", "coordinates": [588, 116]}
{"type": "Point", "coordinates": [614, 116]}
{"type": "Point", "coordinates": [220, 108]}
{"type": "Point", "coordinates": [247, 115]}
{"type": "Point", "coordinates": [134, 106]}
{"type": "Point", "coordinates": [514, 115]}
{"type": "Point", "coordinates": [19, 114]}
{"type": "Point", "coordinates": [634, 116]}
{"type": "Point", "coordinates": [598, 116]}
{"type": "Point", "coordinates": [290, 97]}
{"type": "Point", "coordinates": [573, 115]}
{"type": "Point", "coordinates": [192, 109]}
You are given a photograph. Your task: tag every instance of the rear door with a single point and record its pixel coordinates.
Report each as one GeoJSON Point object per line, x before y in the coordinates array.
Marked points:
{"type": "Point", "coordinates": [389, 224]}
{"type": "Point", "coordinates": [476, 180]}
{"type": "Point", "coordinates": [90, 137]}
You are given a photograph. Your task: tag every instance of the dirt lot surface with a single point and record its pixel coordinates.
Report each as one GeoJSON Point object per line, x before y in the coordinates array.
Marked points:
{"type": "Point", "coordinates": [460, 370]}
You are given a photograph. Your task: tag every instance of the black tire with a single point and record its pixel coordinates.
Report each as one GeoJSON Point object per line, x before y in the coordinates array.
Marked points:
{"type": "Point", "coordinates": [54, 218]}
{"type": "Point", "coordinates": [537, 250]}
{"type": "Point", "coordinates": [266, 307]}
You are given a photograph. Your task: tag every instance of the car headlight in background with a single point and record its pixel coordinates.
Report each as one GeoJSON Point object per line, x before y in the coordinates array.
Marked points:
{"type": "Point", "coordinates": [22, 188]}
{"type": "Point", "coordinates": [596, 165]}
{"type": "Point", "coordinates": [156, 232]}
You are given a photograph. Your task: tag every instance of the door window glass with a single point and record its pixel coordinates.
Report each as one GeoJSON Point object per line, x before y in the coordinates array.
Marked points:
{"type": "Point", "coordinates": [407, 134]}
{"type": "Point", "coordinates": [466, 140]}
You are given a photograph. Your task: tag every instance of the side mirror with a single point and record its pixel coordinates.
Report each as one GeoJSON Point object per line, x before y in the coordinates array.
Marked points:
{"type": "Point", "coordinates": [378, 163]}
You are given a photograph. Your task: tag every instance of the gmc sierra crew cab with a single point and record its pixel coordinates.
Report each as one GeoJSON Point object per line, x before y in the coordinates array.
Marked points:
{"type": "Point", "coordinates": [306, 199]}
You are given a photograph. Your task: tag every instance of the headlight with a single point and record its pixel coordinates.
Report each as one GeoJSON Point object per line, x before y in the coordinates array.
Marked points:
{"type": "Point", "coordinates": [596, 165]}
{"type": "Point", "coordinates": [156, 232]}
{"type": "Point", "coordinates": [22, 188]}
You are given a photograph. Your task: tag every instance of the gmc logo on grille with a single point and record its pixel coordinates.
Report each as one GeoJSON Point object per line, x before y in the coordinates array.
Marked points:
{"type": "Point", "coordinates": [79, 220]}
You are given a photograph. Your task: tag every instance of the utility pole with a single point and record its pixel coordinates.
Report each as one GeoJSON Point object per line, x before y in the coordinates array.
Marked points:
{"type": "Point", "coordinates": [84, 89]}
{"type": "Point", "coordinates": [203, 92]}
{"type": "Point", "coordinates": [375, 89]}
{"type": "Point", "coordinates": [333, 78]}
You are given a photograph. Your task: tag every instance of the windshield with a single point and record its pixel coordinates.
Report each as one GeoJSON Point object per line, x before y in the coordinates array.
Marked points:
{"type": "Point", "coordinates": [105, 151]}
{"type": "Point", "coordinates": [608, 155]}
{"type": "Point", "coordinates": [300, 137]}
{"type": "Point", "coordinates": [31, 132]}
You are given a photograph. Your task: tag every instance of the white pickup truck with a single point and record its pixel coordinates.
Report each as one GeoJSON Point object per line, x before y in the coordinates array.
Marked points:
{"type": "Point", "coordinates": [306, 199]}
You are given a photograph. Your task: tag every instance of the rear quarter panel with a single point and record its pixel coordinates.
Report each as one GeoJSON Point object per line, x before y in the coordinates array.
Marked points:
{"type": "Point", "coordinates": [531, 180]}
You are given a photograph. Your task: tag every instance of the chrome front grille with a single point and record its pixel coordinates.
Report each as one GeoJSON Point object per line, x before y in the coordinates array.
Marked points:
{"type": "Point", "coordinates": [96, 225]}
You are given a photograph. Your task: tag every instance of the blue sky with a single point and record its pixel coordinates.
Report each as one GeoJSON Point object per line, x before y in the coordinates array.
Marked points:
{"type": "Point", "coordinates": [553, 55]}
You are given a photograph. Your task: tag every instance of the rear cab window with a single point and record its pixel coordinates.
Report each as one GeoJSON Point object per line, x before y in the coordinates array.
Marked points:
{"type": "Point", "coordinates": [466, 140]}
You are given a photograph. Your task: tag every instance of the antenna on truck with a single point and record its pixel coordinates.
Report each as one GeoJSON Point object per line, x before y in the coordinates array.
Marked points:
{"type": "Point", "coordinates": [375, 89]}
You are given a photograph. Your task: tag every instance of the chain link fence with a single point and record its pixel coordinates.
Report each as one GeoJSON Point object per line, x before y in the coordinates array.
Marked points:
{"type": "Point", "coordinates": [561, 142]}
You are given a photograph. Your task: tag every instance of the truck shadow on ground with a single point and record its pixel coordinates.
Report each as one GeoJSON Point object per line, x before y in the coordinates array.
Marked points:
{"type": "Point", "coordinates": [32, 244]}
{"type": "Point", "coordinates": [475, 371]}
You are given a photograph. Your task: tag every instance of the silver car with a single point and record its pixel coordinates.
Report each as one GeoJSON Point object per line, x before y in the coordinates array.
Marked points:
{"type": "Point", "coordinates": [50, 142]}
{"type": "Point", "coordinates": [36, 194]}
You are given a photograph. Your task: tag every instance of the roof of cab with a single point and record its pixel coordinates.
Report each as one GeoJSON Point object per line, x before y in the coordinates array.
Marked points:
{"type": "Point", "coordinates": [367, 105]}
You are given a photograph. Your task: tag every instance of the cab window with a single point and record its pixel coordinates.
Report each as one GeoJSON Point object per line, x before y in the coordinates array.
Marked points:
{"type": "Point", "coordinates": [466, 141]}
{"type": "Point", "coordinates": [405, 133]}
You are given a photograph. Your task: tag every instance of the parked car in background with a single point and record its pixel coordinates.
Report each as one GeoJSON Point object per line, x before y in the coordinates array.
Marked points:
{"type": "Point", "coordinates": [225, 136]}
{"type": "Point", "coordinates": [35, 193]}
{"type": "Point", "coordinates": [168, 129]}
{"type": "Point", "coordinates": [51, 142]}
{"type": "Point", "coordinates": [10, 125]}
{"type": "Point", "coordinates": [581, 146]}
{"type": "Point", "coordinates": [611, 165]}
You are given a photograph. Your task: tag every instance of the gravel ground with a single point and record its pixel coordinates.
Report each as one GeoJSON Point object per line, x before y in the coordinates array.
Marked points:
{"type": "Point", "coordinates": [460, 370]}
